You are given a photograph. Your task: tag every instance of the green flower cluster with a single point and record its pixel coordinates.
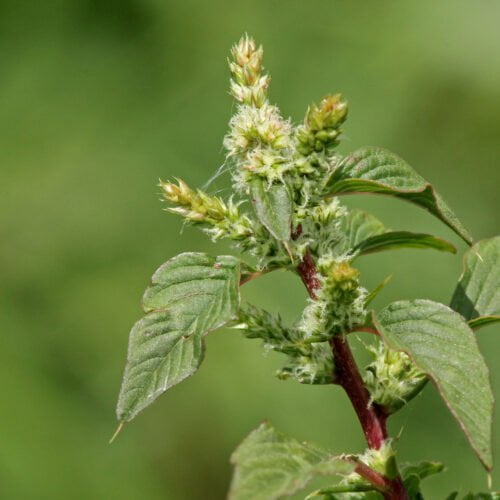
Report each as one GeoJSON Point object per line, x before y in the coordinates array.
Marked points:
{"type": "Point", "coordinates": [392, 379]}
{"type": "Point", "coordinates": [259, 140]}
{"type": "Point", "coordinates": [339, 304]}
{"type": "Point", "coordinates": [309, 361]}
{"type": "Point", "coordinates": [218, 218]}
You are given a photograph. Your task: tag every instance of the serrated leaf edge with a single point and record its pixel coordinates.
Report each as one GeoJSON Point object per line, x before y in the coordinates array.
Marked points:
{"type": "Point", "coordinates": [487, 466]}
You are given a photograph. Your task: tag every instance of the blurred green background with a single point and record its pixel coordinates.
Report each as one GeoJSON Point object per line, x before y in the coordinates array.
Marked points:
{"type": "Point", "coordinates": [100, 98]}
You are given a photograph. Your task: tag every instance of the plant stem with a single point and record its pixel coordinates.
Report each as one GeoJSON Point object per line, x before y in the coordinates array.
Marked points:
{"type": "Point", "coordinates": [371, 417]}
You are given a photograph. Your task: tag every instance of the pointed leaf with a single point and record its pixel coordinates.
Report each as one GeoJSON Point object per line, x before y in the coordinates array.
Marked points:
{"type": "Point", "coordinates": [270, 465]}
{"type": "Point", "coordinates": [444, 347]}
{"type": "Point", "coordinates": [373, 293]}
{"type": "Point", "coordinates": [159, 358]}
{"type": "Point", "coordinates": [402, 239]}
{"type": "Point", "coordinates": [273, 206]}
{"type": "Point", "coordinates": [190, 295]}
{"type": "Point", "coordinates": [477, 296]}
{"type": "Point", "coordinates": [376, 170]}
{"type": "Point", "coordinates": [357, 226]}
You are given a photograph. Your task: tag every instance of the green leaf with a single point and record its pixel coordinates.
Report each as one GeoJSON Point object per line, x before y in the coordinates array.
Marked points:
{"type": "Point", "coordinates": [159, 358]}
{"type": "Point", "coordinates": [477, 296]}
{"type": "Point", "coordinates": [357, 226]}
{"type": "Point", "coordinates": [273, 206]}
{"type": "Point", "coordinates": [376, 170]}
{"type": "Point", "coordinates": [399, 239]}
{"type": "Point", "coordinates": [422, 470]}
{"type": "Point", "coordinates": [477, 323]}
{"type": "Point", "coordinates": [270, 465]}
{"type": "Point", "coordinates": [444, 347]}
{"type": "Point", "coordinates": [190, 295]}
{"type": "Point", "coordinates": [413, 474]}
{"type": "Point", "coordinates": [198, 280]}
{"type": "Point", "coordinates": [365, 234]}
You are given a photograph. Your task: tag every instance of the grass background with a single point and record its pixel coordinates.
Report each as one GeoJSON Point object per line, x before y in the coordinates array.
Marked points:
{"type": "Point", "coordinates": [100, 98]}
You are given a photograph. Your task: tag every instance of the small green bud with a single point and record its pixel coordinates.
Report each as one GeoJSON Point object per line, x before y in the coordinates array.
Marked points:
{"type": "Point", "coordinates": [181, 194]}
{"type": "Point", "coordinates": [326, 212]}
{"type": "Point", "coordinates": [333, 134]}
{"type": "Point", "coordinates": [323, 122]}
{"type": "Point", "coordinates": [304, 150]}
{"type": "Point", "coordinates": [323, 136]}
{"type": "Point", "coordinates": [303, 136]}
{"type": "Point", "coordinates": [314, 161]}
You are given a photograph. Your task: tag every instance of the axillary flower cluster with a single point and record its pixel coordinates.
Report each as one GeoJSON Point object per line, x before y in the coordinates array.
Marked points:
{"type": "Point", "coordinates": [284, 171]}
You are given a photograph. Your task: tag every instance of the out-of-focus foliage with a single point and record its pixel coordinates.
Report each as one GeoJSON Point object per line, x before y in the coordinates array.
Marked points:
{"type": "Point", "coordinates": [98, 99]}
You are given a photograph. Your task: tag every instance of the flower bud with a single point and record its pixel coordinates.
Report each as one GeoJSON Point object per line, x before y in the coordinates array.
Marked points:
{"type": "Point", "coordinates": [331, 112]}
{"type": "Point", "coordinates": [245, 53]}
{"type": "Point", "coordinates": [344, 275]}
{"type": "Point", "coordinates": [322, 124]}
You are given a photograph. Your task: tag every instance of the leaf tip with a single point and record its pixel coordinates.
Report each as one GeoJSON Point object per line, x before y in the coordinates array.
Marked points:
{"type": "Point", "coordinates": [289, 251]}
{"type": "Point", "coordinates": [118, 430]}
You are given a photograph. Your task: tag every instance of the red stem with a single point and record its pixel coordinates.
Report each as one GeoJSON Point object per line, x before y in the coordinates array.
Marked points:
{"type": "Point", "coordinates": [307, 271]}
{"type": "Point", "coordinates": [371, 417]}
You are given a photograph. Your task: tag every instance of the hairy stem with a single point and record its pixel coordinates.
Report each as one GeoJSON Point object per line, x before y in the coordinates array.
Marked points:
{"type": "Point", "coordinates": [371, 417]}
